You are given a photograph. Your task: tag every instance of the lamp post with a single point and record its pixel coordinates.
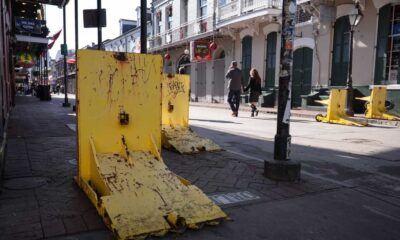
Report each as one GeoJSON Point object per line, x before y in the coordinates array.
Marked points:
{"type": "Point", "coordinates": [354, 19]}
{"type": "Point", "coordinates": [65, 103]}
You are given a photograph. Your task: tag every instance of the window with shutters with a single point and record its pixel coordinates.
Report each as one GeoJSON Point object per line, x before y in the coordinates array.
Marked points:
{"type": "Point", "coordinates": [387, 69]}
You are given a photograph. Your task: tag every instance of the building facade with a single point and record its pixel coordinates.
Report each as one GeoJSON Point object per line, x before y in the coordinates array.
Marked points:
{"type": "Point", "coordinates": [248, 31]}
{"type": "Point", "coordinates": [322, 48]}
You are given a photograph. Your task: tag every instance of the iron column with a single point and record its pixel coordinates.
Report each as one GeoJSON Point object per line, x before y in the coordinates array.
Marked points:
{"type": "Point", "coordinates": [76, 28]}
{"type": "Point", "coordinates": [349, 83]}
{"type": "Point", "coordinates": [282, 168]}
{"type": "Point", "coordinates": [66, 103]}
{"type": "Point", "coordinates": [143, 26]}
{"type": "Point", "coordinates": [99, 40]}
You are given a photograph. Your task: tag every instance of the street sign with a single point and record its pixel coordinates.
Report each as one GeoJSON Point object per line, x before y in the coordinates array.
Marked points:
{"type": "Point", "coordinates": [64, 49]}
{"type": "Point", "coordinates": [90, 18]}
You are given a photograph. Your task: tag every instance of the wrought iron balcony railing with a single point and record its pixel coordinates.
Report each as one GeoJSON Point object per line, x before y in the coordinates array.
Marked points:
{"type": "Point", "coordinates": [182, 33]}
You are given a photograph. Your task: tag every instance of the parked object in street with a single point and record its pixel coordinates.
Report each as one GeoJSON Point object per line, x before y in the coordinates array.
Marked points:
{"type": "Point", "coordinates": [255, 90]}
{"type": "Point", "coordinates": [176, 133]}
{"type": "Point", "coordinates": [235, 86]}
{"type": "Point", "coordinates": [375, 105]}
{"type": "Point", "coordinates": [119, 142]}
{"type": "Point", "coordinates": [336, 110]}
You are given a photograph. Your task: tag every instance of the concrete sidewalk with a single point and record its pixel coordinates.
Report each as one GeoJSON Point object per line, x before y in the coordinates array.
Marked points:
{"type": "Point", "coordinates": [297, 112]}
{"type": "Point", "coordinates": [39, 198]}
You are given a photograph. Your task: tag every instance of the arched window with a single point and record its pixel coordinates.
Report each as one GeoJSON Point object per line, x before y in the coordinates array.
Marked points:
{"type": "Point", "coordinates": [340, 58]}
{"type": "Point", "coordinates": [246, 57]}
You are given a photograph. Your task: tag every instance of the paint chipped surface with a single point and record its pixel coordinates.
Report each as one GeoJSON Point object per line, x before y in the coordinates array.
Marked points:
{"type": "Point", "coordinates": [120, 167]}
{"type": "Point", "coordinates": [176, 133]}
{"type": "Point", "coordinates": [144, 191]}
{"type": "Point", "coordinates": [183, 140]}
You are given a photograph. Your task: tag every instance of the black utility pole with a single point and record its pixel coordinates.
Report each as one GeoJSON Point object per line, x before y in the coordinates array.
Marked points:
{"type": "Point", "coordinates": [99, 27]}
{"type": "Point", "coordinates": [76, 29]}
{"type": "Point", "coordinates": [282, 168]}
{"type": "Point", "coordinates": [143, 26]}
{"type": "Point", "coordinates": [66, 103]}
{"type": "Point", "coordinates": [349, 83]}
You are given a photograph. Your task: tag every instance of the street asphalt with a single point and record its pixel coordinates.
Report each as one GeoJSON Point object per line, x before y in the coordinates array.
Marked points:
{"type": "Point", "coordinates": [350, 186]}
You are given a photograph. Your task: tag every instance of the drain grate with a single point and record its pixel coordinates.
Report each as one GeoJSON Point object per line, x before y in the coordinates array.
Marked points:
{"type": "Point", "coordinates": [24, 183]}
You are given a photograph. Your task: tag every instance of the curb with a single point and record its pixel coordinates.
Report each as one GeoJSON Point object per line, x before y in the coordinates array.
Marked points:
{"type": "Point", "coordinates": [310, 115]}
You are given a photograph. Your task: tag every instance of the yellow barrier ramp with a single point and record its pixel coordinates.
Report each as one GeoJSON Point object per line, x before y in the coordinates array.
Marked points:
{"type": "Point", "coordinates": [119, 140]}
{"type": "Point", "coordinates": [336, 110]}
{"type": "Point", "coordinates": [375, 105]}
{"type": "Point", "coordinates": [176, 133]}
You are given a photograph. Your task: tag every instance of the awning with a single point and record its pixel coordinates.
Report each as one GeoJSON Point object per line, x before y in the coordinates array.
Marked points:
{"type": "Point", "coordinates": [24, 38]}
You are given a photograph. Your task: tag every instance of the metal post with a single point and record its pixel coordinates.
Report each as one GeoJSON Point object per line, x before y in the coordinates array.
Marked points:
{"type": "Point", "coordinates": [349, 83]}
{"type": "Point", "coordinates": [99, 27]}
{"type": "Point", "coordinates": [76, 27]}
{"type": "Point", "coordinates": [76, 48]}
{"type": "Point", "coordinates": [40, 69]}
{"type": "Point", "coordinates": [282, 168]}
{"type": "Point", "coordinates": [46, 75]}
{"type": "Point", "coordinates": [143, 26]}
{"type": "Point", "coordinates": [66, 103]}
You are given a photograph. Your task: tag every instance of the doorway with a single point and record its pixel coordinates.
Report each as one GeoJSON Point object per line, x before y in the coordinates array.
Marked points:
{"type": "Point", "coordinates": [302, 73]}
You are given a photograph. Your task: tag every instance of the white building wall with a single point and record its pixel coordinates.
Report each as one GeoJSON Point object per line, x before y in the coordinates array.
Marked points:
{"type": "Point", "coordinates": [364, 50]}
{"type": "Point", "coordinates": [176, 13]}
{"type": "Point", "coordinates": [193, 7]}
{"type": "Point", "coordinates": [258, 53]}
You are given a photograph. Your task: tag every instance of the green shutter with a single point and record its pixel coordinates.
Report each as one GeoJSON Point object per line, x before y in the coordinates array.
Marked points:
{"type": "Point", "coordinates": [340, 58]}
{"type": "Point", "coordinates": [302, 74]}
{"type": "Point", "coordinates": [246, 57]}
{"type": "Point", "coordinates": [381, 48]}
{"type": "Point", "coordinates": [270, 60]}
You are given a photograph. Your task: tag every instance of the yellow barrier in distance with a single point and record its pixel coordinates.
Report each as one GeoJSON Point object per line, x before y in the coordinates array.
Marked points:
{"type": "Point", "coordinates": [336, 110]}
{"type": "Point", "coordinates": [119, 140]}
{"type": "Point", "coordinates": [176, 133]}
{"type": "Point", "coordinates": [376, 105]}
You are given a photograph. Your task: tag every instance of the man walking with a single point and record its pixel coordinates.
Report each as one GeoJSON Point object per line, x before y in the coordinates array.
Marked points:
{"type": "Point", "coordinates": [235, 86]}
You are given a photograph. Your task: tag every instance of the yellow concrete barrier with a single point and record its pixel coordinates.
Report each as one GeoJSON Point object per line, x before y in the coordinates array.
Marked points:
{"type": "Point", "coordinates": [176, 133]}
{"type": "Point", "coordinates": [375, 105]}
{"type": "Point", "coordinates": [119, 140]}
{"type": "Point", "coordinates": [336, 110]}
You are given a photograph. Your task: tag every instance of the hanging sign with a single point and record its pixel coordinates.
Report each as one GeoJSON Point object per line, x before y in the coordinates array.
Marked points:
{"type": "Point", "coordinates": [32, 26]}
{"type": "Point", "coordinates": [200, 51]}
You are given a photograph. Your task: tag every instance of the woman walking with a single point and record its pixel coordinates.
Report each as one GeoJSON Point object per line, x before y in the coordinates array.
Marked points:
{"type": "Point", "coordinates": [255, 90]}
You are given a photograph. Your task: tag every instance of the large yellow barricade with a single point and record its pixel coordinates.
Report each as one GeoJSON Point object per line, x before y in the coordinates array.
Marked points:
{"type": "Point", "coordinates": [376, 105]}
{"type": "Point", "coordinates": [336, 110]}
{"type": "Point", "coordinates": [119, 141]}
{"type": "Point", "coordinates": [176, 133]}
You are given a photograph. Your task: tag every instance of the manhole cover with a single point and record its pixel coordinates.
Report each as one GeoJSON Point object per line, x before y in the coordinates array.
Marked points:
{"type": "Point", "coordinates": [23, 183]}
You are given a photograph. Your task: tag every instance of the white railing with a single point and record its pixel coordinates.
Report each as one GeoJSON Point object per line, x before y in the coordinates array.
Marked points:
{"type": "Point", "coordinates": [239, 7]}
{"type": "Point", "coordinates": [229, 10]}
{"type": "Point", "coordinates": [183, 32]}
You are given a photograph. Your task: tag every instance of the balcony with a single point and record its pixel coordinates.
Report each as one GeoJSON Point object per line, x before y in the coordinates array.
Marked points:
{"type": "Point", "coordinates": [183, 33]}
{"type": "Point", "coordinates": [237, 8]}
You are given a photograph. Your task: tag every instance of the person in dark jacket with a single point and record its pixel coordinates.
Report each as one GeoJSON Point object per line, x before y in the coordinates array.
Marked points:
{"type": "Point", "coordinates": [255, 90]}
{"type": "Point", "coordinates": [235, 86]}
